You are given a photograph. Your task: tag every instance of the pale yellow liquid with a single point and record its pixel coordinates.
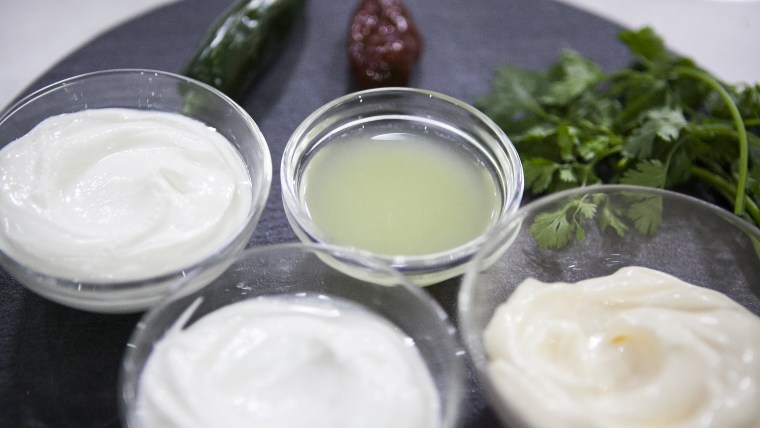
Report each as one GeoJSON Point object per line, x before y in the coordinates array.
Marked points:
{"type": "Point", "coordinates": [399, 194]}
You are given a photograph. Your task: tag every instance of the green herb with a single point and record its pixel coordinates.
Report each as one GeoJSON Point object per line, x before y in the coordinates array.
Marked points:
{"type": "Point", "coordinates": [663, 122]}
{"type": "Point", "coordinates": [556, 228]}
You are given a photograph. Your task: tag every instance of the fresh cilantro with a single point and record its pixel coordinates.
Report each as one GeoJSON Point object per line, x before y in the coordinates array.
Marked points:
{"type": "Point", "coordinates": [646, 45]}
{"type": "Point", "coordinates": [570, 78]}
{"type": "Point", "coordinates": [610, 216]}
{"type": "Point", "coordinates": [539, 173]}
{"type": "Point", "coordinates": [650, 173]}
{"type": "Point", "coordinates": [646, 213]}
{"type": "Point", "coordinates": [662, 125]}
{"type": "Point", "coordinates": [662, 122]}
{"type": "Point", "coordinates": [555, 229]}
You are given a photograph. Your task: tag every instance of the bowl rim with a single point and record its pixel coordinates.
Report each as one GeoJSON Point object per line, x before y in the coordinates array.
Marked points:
{"type": "Point", "coordinates": [258, 202]}
{"type": "Point", "coordinates": [423, 263]}
{"type": "Point", "coordinates": [500, 241]}
{"type": "Point", "coordinates": [128, 376]}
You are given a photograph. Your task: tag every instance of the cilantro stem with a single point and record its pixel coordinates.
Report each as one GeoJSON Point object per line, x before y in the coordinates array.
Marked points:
{"type": "Point", "coordinates": [712, 130]}
{"type": "Point", "coordinates": [727, 190]}
{"type": "Point", "coordinates": [753, 210]}
{"type": "Point", "coordinates": [741, 183]}
{"type": "Point", "coordinates": [577, 212]}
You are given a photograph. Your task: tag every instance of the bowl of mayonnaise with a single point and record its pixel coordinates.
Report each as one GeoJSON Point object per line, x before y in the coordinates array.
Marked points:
{"type": "Point", "coordinates": [281, 338]}
{"type": "Point", "coordinates": [617, 306]}
{"type": "Point", "coordinates": [416, 177]}
{"type": "Point", "coordinates": [119, 183]}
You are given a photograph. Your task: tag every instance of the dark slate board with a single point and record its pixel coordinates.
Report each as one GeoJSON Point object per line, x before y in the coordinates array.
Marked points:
{"type": "Point", "coordinates": [59, 366]}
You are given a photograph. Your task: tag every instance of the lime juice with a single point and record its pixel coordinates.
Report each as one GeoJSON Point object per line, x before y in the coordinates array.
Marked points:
{"type": "Point", "coordinates": [399, 193]}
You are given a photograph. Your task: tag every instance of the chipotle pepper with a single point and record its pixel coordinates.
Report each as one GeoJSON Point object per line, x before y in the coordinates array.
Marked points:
{"type": "Point", "coordinates": [383, 44]}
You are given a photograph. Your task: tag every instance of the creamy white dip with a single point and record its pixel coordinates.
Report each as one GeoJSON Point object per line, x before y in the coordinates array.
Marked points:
{"type": "Point", "coordinates": [287, 362]}
{"type": "Point", "coordinates": [119, 194]}
{"type": "Point", "coordinates": [638, 348]}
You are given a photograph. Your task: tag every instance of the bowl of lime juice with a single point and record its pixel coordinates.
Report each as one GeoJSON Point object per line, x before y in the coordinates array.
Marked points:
{"type": "Point", "coordinates": [415, 178]}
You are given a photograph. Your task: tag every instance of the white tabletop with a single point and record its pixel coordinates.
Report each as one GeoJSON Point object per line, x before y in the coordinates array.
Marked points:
{"type": "Point", "coordinates": [36, 34]}
{"type": "Point", "coordinates": [721, 35]}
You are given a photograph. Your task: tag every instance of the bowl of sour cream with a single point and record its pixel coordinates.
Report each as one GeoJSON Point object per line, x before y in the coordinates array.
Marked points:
{"type": "Point", "coordinates": [119, 183]}
{"type": "Point", "coordinates": [415, 177]}
{"type": "Point", "coordinates": [617, 305]}
{"type": "Point", "coordinates": [282, 339]}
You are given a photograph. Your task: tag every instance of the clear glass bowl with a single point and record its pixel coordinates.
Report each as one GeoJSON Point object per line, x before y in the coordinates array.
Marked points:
{"type": "Point", "coordinates": [144, 90]}
{"type": "Point", "coordinates": [291, 269]}
{"type": "Point", "coordinates": [418, 112]}
{"type": "Point", "coordinates": [697, 242]}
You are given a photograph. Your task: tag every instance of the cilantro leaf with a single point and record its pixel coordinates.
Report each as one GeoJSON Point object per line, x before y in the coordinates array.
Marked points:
{"type": "Point", "coordinates": [567, 175]}
{"type": "Point", "coordinates": [567, 139]}
{"type": "Point", "coordinates": [512, 96]}
{"type": "Point", "coordinates": [646, 214]}
{"type": "Point", "coordinates": [649, 173]}
{"type": "Point", "coordinates": [645, 44]}
{"type": "Point", "coordinates": [572, 76]}
{"type": "Point", "coordinates": [539, 173]}
{"type": "Point", "coordinates": [555, 229]}
{"type": "Point", "coordinates": [664, 124]}
{"type": "Point", "coordinates": [552, 229]}
{"type": "Point", "coordinates": [609, 216]}
{"type": "Point", "coordinates": [596, 146]}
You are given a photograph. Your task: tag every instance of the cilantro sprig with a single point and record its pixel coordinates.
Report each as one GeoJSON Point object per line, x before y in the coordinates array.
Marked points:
{"type": "Point", "coordinates": [556, 228]}
{"type": "Point", "coordinates": [663, 122]}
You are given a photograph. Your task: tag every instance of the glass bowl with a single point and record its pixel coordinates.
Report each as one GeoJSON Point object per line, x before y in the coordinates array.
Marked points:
{"type": "Point", "coordinates": [367, 198]}
{"type": "Point", "coordinates": [296, 269]}
{"type": "Point", "coordinates": [696, 242]}
{"type": "Point", "coordinates": [145, 90]}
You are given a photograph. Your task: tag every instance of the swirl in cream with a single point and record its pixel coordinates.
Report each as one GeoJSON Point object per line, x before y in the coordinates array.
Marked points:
{"type": "Point", "coordinates": [287, 361]}
{"type": "Point", "coordinates": [638, 348]}
{"type": "Point", "coordinates": [119, 194]}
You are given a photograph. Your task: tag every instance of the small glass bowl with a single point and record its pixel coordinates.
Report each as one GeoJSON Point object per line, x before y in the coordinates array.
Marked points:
{"type": "Point", "coordinates": [143, 90]}
{"type": "Point", "coordinates": [696, 242]}
{"type": "Point", "coordinates": [417, 112]}
{"type": "Point", "coordinates": [298, 269]}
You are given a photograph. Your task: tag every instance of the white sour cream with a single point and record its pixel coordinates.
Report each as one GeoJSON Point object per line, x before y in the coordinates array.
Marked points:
{"type": "Point", "coordinates": [287, 362]}
{"type": "Point", "coordinates": [638, 348]}
{"type": "Point", "coordinates": [119, 194]}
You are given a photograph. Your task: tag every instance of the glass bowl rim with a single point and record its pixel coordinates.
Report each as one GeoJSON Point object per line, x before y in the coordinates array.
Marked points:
{"type": "Point", "coordinates": [296, 212]}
